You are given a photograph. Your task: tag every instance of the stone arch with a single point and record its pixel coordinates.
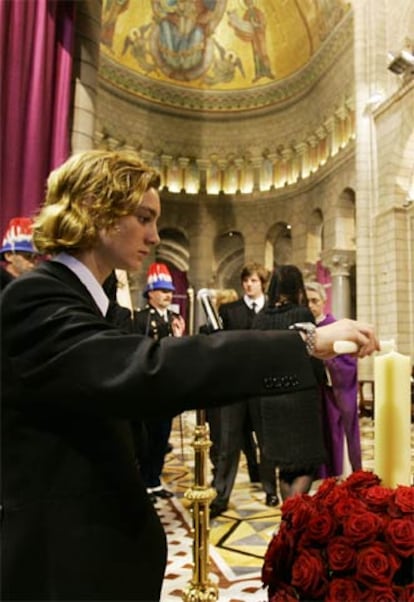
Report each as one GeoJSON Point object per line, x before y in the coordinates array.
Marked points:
{"type": "Point", "coordinates": [278, 246]}
{"type": "Point", "coordinates": [315, 236]}
{"type": "Point", "coordinates": [173, 248]}
{"type": "Point", "coordinates": [229, 259]}
{"type": "Point", "coordinates": [345, 236]}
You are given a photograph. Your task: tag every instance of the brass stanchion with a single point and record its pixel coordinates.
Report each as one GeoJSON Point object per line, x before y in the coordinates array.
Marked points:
{"type": "Point", "coordinates": [200, 588]}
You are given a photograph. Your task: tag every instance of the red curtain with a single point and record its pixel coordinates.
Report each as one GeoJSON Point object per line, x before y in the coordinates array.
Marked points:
{"type": "Point", "coordinates": [37, 41]}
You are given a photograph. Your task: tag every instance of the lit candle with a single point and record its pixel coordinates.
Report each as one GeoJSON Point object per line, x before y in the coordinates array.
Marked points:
{"type": "Point", "coordinates": [392, 455]}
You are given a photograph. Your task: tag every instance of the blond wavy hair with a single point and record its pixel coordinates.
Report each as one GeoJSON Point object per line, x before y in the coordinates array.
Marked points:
{"type": "Point", "coordinates": [88, 193]}
{"type": "Point", "coordinates": [225, 295]}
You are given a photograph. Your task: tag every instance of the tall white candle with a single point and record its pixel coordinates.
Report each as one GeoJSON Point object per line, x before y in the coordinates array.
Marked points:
{"type": "Point", "coordinates": [392, 459]}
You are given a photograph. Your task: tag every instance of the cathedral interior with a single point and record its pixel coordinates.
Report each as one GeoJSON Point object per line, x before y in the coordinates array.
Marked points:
{"type": "Point", "coordinates": [284, 133]}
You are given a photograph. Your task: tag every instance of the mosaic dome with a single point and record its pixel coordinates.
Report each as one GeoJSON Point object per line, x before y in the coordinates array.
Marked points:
{"type": "Point", "coordinates": [219, 55]}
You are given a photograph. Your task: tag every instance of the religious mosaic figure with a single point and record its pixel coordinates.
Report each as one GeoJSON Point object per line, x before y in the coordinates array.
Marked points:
{"type": "Point", "coordinates": [112, 10]}
{"type": "Point", "coordinates": [181, 41]}
{"type": "Point", "coordinates": [252, 28]}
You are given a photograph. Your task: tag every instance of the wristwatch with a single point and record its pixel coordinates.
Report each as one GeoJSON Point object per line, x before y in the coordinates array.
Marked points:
{"type": "Point", "coordinates": [309, 329]}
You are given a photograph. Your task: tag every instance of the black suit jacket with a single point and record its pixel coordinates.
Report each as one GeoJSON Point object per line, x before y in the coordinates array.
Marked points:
{"type": "Point", "coordinates": [237, 315]}
{"type": "Point", "coordinates": [77, 521]}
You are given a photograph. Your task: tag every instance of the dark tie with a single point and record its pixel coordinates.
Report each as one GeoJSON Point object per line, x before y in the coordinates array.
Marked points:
{"type": "Point", "coordinates": [254, 306]}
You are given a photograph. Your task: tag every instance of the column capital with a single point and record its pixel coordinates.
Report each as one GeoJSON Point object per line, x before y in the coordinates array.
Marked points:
{"type": "Point", "coordinates": [339, 261]}
{"type": "Point", "coordinates": [183, 161]}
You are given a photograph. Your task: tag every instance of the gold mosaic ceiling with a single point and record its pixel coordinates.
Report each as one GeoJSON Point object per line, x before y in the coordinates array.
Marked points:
{"type": "Point", "coordinates": [214, 55]}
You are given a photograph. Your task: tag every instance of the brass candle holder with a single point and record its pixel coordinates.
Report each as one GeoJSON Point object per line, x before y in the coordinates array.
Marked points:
{"type": "Point", "coordinates": [200, 588]}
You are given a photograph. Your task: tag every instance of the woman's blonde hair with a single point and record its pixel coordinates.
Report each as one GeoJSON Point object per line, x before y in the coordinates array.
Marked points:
{"type": "Point", "coordinates": [89, 192]}
{"type": "Point", "coordinates": [225, 295]}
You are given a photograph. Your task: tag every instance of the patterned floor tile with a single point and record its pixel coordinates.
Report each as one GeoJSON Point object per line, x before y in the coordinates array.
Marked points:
{"type": "Point", "coordinates": [238, 538]}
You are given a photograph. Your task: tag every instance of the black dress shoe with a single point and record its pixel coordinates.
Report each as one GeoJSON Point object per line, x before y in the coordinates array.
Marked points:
{"type": "Point", "coordinates": [271, 500]}
{"type": "Point", "coordinates": [217, 509]}
{"type": "Point", "coordinates": [164, 494]}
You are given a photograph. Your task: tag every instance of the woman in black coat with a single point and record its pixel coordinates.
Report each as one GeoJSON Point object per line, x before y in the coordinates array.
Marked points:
{"type": "Point", "coordinates": [292, 435]}
{"type": "Point", "coordinates": [77, 520]}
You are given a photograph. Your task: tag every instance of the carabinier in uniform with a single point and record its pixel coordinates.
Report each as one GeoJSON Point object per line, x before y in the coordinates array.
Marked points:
{"type": "Point", "coordinates": [155, 320]}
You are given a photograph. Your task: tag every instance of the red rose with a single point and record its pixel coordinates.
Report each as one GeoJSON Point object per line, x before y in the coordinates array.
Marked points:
{"type": "Point", "coordinates": [408, 593]}
{"type": "Point", "coordinates": [377, 498]}
{"type": "Point", "coordinates": [360, 480]}
{"type": "Point", "coordinates": [284, 593]}
{"type": "Point", "coordinates": [362, 528]}
{"type": "Point", "coordinates": [279, 557]}
{"type": "Point", "coordinates": [399, 533]}
{"type": "Point", "coordinates": [347, 505]}
{"type": "Point", "coordinates": [325, 488]}
{"type": "Point", "coordinates": [297, 510]}
{"type": "Point", "coordinates": [341, 555]}
{"type": "Point", "coordinates": [332, 498]}
{"type": "Point", "coordinates": [402, 501]}
{"type": "Point", "coordinates": [380, 594]}
{"type": "Point", "coordinates": [376, 565]}
{"type": "Point", "coordinates": [321, 528]}
{"type": "Point", "coordinates": [309, 574]}
{"type": "Point", "coordinates": [343, 590]}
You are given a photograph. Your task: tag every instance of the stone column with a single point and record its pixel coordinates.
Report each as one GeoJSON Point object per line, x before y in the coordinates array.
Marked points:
{"type": "Point", "coordinates": [222, 164]}
{"type": "Point", "coordinates": [165, 162]}
{"type": "Point", "coordinates": [202, 167]}
{"type": "Point", "coordinates": [183, 163]}
{"type": "Point", "coordinates": [257, 165]}
{"type": "Point", "coordinates": [85, 73]}
{"type": "Point", "coordinates": [239, 166]}
{"type": "Point", "coordinates": [339, 262]}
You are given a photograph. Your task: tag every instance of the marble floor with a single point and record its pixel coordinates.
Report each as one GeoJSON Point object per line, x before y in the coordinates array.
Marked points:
{"type": "Point", "coordinates": [237, 539]}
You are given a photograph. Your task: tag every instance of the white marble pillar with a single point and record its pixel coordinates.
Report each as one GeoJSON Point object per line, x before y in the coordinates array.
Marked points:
{"type": "Point", "coordinates": [339, 262]}
{"type": "Point", "coordinates": [85, 70]}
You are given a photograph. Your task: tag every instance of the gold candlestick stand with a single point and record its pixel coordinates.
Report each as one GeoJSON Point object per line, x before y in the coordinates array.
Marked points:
{"type": "Point", "coordinates": [200, 588]}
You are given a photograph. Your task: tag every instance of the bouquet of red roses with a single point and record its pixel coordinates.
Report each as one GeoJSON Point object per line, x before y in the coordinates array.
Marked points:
{"type": "Point", "coordinates": [352, 541]}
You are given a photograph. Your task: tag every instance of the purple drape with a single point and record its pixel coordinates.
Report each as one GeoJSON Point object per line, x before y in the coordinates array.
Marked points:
{"type": "Point", "coordinates": [36, 72]}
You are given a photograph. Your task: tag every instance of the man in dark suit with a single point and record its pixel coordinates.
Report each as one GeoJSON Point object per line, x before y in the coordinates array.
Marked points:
{"type": "Point", "coordinates": [236, 419]}
{"type": "Point", "coordinates": [77, 522]}
{"type": "Point", "coordinates": [157, 321]}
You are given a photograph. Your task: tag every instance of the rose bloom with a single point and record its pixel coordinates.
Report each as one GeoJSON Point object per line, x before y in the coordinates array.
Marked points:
{"type": "Point", "coordinates": [279, 557]}
{"type": "Point", "coordinates": [376, 565]}
{"type": "Point", "coordinates": [320, 529]}
{"type": "Point", "coordinates": [327, 487]}
{"type": "Point", "coordinates": [331, 499]}
{"type": "Point", "coordinates": [377, 498]}
{"type": "Point", "coordinates": [362, 528]}
{"type": "Point", "coordinates": [297, 510]}
{"type": "Point", "coordinates": [399, 534]}
{"type": "Point", "coordinates": [361, 480]}
{"type": "Point", "coordinates": [284, 593]}
{"type": "Point", "coordinates": [341, 554]}
{"type": "Point", "coordinates": [402, 501]}
{"type": "Point", "coordinates": [408, 593]}
{"type": "Point", "coordinates": [381, 594]}
{"type": "Point", "coordinates": [343, 590]}
{"type": "Point", "coordinates": [347, 505]}
{"type": "Point", "coordinates": [309, 575]}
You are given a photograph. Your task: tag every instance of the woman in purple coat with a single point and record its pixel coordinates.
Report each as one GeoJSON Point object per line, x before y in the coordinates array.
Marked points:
{"type": "Point", "coordinates": [339, 396]}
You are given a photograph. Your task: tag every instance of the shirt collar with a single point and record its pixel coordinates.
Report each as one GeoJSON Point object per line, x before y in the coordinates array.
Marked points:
{"type": "Point", "coordinates": [87, 278]}
{"type": "Point", "coordinates": [260, 301]}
